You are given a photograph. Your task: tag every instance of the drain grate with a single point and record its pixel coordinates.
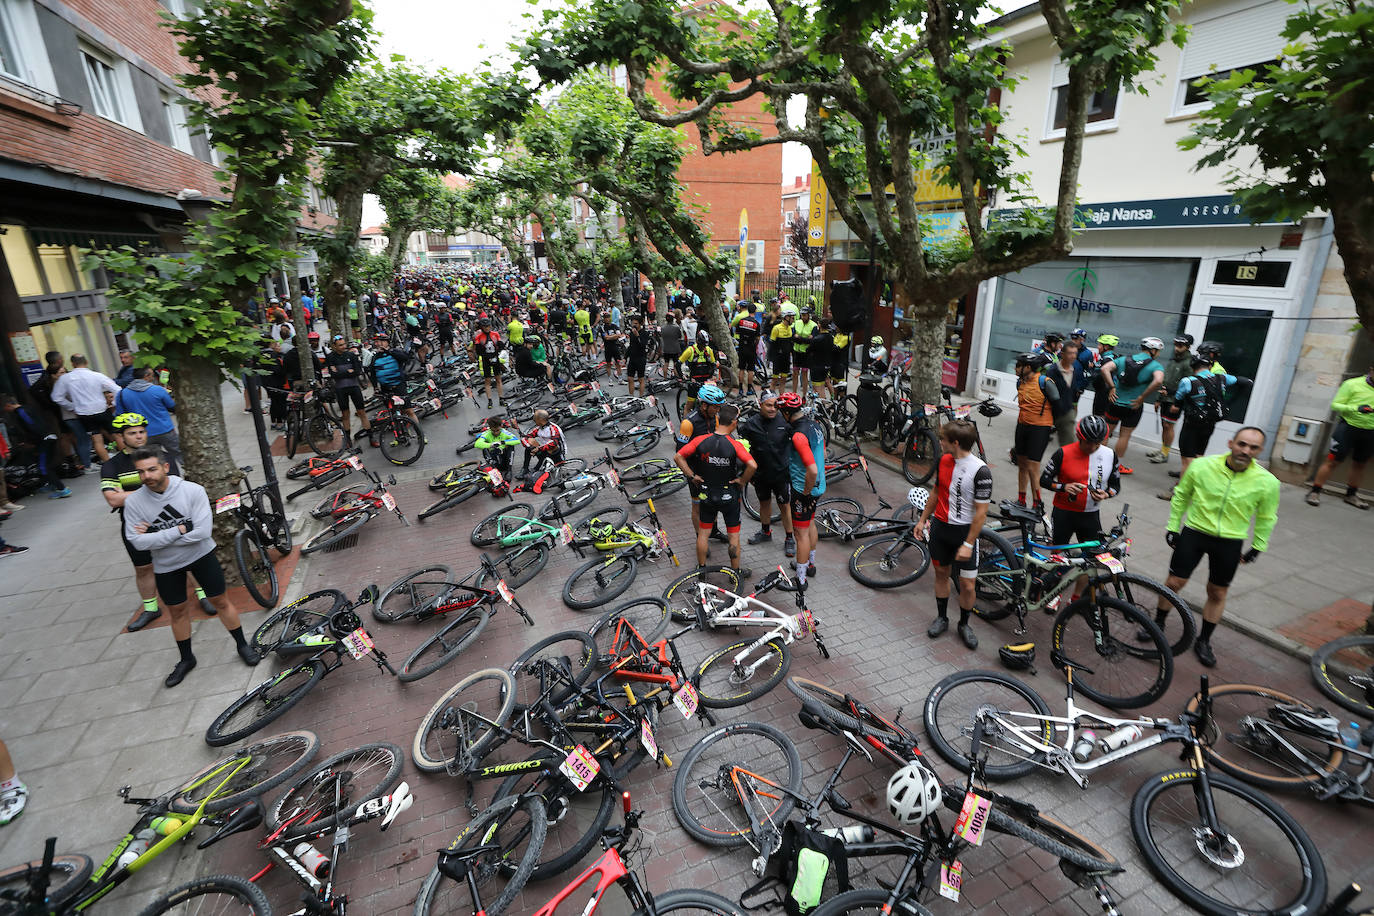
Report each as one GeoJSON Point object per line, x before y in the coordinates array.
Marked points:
{"type": "Point", "coordinates": [342, 543]}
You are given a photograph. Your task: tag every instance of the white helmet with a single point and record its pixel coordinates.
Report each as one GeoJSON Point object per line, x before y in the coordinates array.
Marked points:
{"type": "Point", "coordinates": [913, 793]}
{"type": "Point", "coordinates": [876, 352]}
{"type": "Point", "coordinates": [917, 496]}
{"type": "Point", "coordinates": [1152, 343]}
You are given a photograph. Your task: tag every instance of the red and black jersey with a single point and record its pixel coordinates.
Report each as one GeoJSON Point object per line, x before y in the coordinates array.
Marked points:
{"type": "Point", "coordinates": [717, 459]}
{"type": "Point", "coordinates": [1097, 470]}
{"type": "Point", "coordinates": [959, 485]}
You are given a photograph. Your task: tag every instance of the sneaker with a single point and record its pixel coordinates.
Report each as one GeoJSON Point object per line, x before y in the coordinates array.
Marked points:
{"type": "Point", "coordinates": [789, 546]}
{"type": "Point", "coordinates": [10, 550]}
{"type": "Point", "coordinates": [11, 507]}
{"type": "Point", "coordinates": [207, 608]}
{"type": "Point", "coordinates": [142, 620]}
{"type": "Point", "coordinates": [179, 673]}
{"type": "Point", "coordinates": [718, 535]}
{"type": "Point", "coordinates": [1165, 494]}
{"type": "Point", "coordinates": [744, 573]}
{"type": "Point", "coordinates": [1157, 457]}
{"type": "Point", "coordinates": [1314, 498]}
{"type": "Point", "coordinates": [12, 802]}
{"type": "Point", "coordinates": [966, 634]}
{"type": "Point", "coordinates": [1203, 648]}
{"type": "Point", "coordinates": [810, 569]}
{"type": "Point", "coordinates": [46, 488]}
{"type": "Point", "coordinates": [1175, 474]}
{"type": "Point", "coordinates": [1356, 500]}
{"type": "Point", "coordinates": [60, 494]}
{"type": "Point", "coordinates": [938, 628]}
{"type": "Point", "coordinates": [488, 403]}
{"type": "Point", "coordinates": [760, 537]}
{"type": "Point", "coordinates": [1125, 470]}
{"type": "Point", "coordinates": [249, 655]}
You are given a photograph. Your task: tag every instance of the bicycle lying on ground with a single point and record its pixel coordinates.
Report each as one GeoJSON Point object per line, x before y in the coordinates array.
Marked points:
{"type": "Point", "coordinates": [1344, 672]}
{"type": "Point", "coordinates": [350, 509]}
{"type": "Point", "coordinates": [605, 578]}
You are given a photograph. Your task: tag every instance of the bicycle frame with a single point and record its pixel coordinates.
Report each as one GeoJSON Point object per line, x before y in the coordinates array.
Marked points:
{"type": "Point", "coordinates": [1331, 785]}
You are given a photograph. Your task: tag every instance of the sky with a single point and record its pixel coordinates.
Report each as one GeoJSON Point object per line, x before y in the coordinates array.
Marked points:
{"type": "Point", "coordinates": [459, 35]}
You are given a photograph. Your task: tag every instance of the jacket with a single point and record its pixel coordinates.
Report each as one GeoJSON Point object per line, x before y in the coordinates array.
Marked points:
{"type": "Point", "coordinates": [1221, 502]}
{"type": "Point", "coordinates": [153, 401]}
{"type": "Point", "coordinates": [1353, 394]}
{"type": "Point", "coordinates": [768, 441]}
{"type": "Point", "coordinates": [182, 503]}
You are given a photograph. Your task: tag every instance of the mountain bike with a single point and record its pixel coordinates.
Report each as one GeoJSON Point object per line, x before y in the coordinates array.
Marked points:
{"type": "Point", "coordinates": [606, 578]}
{"type": "Point", "coordinates": [66, 884]}
{"type": "Point", "coordinates": [653, 478]}
{"type": "Point", "coordinates": [308, 421]}
{"type": "Point", "coordinates": [920, 447]}
{"type": "Point", "coordinates": [350, 509]}
{"type": "Point", "coordinates": [398, 436]}
{"type": "Point", "coordinates": [340, 634]}
{"type": "Point", "coordinates": [321, 472]}
{"type": "Point", "coordinates": [516, 525]}
{"type": "Point", "coordinates": [1217, 844]}
{"type": "Point", "coordinates": [263, 524]}
{"type": "Point", "coordinates": [1344, 672]}
{"type": "Point", "coordinates": [895, 557]}
{"type": "Point", "coordinates": [464, 486]}
{"type": "Point", "coordinates": [837, 468]}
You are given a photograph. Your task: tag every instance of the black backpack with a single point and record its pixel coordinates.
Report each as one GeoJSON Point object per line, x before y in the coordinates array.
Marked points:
{"type": "Point", "coordinates": [847, 305]}
{"type": "Point", "coordinates": [1211, 407]}
{"type": "Point", "coordinates": [1128, 372]}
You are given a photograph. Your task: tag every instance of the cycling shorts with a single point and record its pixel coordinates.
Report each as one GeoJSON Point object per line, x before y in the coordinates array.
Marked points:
{"type": "Point", "coordinates": [136, 556]}
{"type": "Point", "coordinates": [782, 364]}
{"type": "Point", "coordinates": [636, 367]}
{"type": "Point", "coordinates": [1193, 437]}
{"type": "Point", "coordinates": [1169, 412]}
{"type": "Point", "coordinates": [491, 368]}
{"type": "Point", "coordinates": [777, 488]}
{"type": "Point", "coordinates": [1126, 415]}
{"type": "Point", "coordinates": [1031, 441]}
{"type": "Point", "coordinates": [346, 396]}
{"type": "Point", "coordinates": [839, 366]}
{"type": "Point", "coordinates": [171, 586]}
{"type": "Point", "coordinates": [945, 542]}
{"type": "Point", "coordinates": [1223, 556]}
{"type": "Point", "coordinates": [1352, 442]}
{"type": "Point", "coordinates": [96, 424]}
{"type": "Point", "coordinates": [748, 356]}
{"type": "Point", "coordinates": [803, 508]}
{"type": "Point", "coordinates": [728, 509]}
{"type": "Point", "coordinates": [1067, 525]}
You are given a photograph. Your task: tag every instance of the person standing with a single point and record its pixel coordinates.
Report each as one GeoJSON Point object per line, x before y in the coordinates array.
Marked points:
{"type": "Point", "coordinates": [637, 355]}
{"type": "Point", "coordinates": [126, 369]}
{"type": "Point", "coordinates": [672, 343]}
{"type": "Point", "coordinates": [806, 472]}
{"type": "Point", "coordinates": [487, 346]}
{"type": "Point", "coordinates": [802, 330]}
{"type": "Point", "coordinates": [170, 518]}
{"type": "Point", "coordinates": [1064, 372]}
{"type": "Point", "coordinates": [346, 369]}
{"type": "Point", "coordinates": [88, 394]}
{"type": "Point", "coordinates": [1129, 383]}
{"type": "Point", "coordinates": [1091, 365]}
{"type": "Point", "coordinates": [700, 418]}
{"type": "Point", "coordinates": [1202, 398]}
{"type": "Point", "coordinates": [1212, 508]}
{"type": "Point", "coordinates": [747, 330]}
{"type": "Point", "coordinates": [1170, 411]}
{"type": "Point", "coordinates": [1081, 476]}
{"type": "Point", "coordinates": [155, 404]}
{"type": "Point", "coordinates": [720, 466]}
{"type": "Point", "coordinates": [1037, 395]}
{"type": "Point", "coordinates": [768, 433]}
{"type": "Point", "coordinates": [1353, 438]}
{"type": "Point", "coordinates": [951, 523]}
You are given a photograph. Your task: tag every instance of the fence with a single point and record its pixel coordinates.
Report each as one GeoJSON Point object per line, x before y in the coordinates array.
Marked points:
{"type": "Point", "coordinates": [800, 288]}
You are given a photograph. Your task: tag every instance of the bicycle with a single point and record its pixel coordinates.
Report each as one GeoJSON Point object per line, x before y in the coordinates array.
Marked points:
{"type": "Point", "coordinates": [58, 885]}
{"type": "Point", "coordinates": [340, 634]}
{"type": "Point", "coordinates": [603, 579]}
{"type": "Point", "coordinates": [322, 471]}
{"type": "Point", "coordinates": [837, 468]}
{"type": "Point", "coordinates": [1344, 672]}
{"type": "Point", "coordinates": [263, 524]}
{"type": "Point", "coordinates": [398, 436]}
{"type": "Point", "coordinates": [464, 487]}
{"type": "Point", "coordinates": [658, 477]}
{"type": "Point", "coordinates": [920, 449]}
{"type": "Point", "coordinates": [1196, 829]}
{"type": "Point", "coordinates": [430, 592]}
{"type": "Point", "coordinates": [895, 557]}
{"type": "Point", "coordinates": [307, 419]}
{"type": "Point", "coordinates": [350, 509]}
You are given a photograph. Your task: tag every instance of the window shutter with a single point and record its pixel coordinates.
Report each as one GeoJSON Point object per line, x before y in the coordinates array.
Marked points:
{"type": "Point", "coordinates": [1060, 76]}
{"type": "Point", "coordinates": [1235, 39]}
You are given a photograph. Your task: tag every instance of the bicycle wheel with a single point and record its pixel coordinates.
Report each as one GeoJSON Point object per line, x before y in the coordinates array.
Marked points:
{"type": "Point", "coordinates": [300, 616]}
{"type": "Point", "coordinates": [1024, 822]}
{"type": "Point", "coordinates": [512, 833]}
{"type": "Point", "coordinates": [270, 762]}
{"type": "Point", "coordinates": [1252, 754]}
{"type": "Point", "coordinates": [615, 516]}
{"type": "Point", "coordinates": [1265, 862]}
{"type": "Point", "coordinates": [462, 725]}
{"type": "Point", "coordinates": [1000, 577]}
{"type": "Point", "coordinates": [847, 416]}
{"type": "Point", "coordinates": [1344, 672]}
{"type": "Point", "coordinates": [411, 592]}
{"type": "Point", "coordinates": [572, 652]}
{"type": "Point", "coordinates": [705, 799]}
{"type": "Point", "coordinates": [953, 704]}
{"type": "Point", "coordinates": [447, 479]}
{"type": "Point", "coordinates": [264, 704]}
{"type": "Point", "coordinates": [455, 496]}
{"type": "Point", "coordinates": [599, 580]}
{"type": "Point", "coordinates": [834, 706]}
{"type": "Point", "coordinates": [492, 529]}
{"type": "Point", "coordinates": [568, 502]}
{"type": "Point", "coordinates": [657, 489]}
{"type": "Point", "coordinates": [256, 569]}
{"type": "Point", "coordinates": [682, 596]}
{"type": "Point", "coordinates": [444, 645]}
{"type": "Point", "coordinates": [638, 444]}
{"type": "Point", "coordinates": [1177, 622]}
{"type": "Point", "coordinates": [292, 434]}
{"type": "Point", "coordinates": [575, 819]}
{"type": "Point", "coordinates": [215, 894]}
{"type": "Point", "coordinates": [645, 470]}
{"type": "Point", "coordinates": [336, 532]}
{"type": "Point", "coordinates": [565, 470]}
{"type": "Point", "coordinates": [308, 806]}
{"type": "Point", "coordinates": [1115, 670]}
{"type": "Point", "coordinates": [865, 900]}
{"type": "Point", "coordinates": [66, 877]}
{"type": "Point", "coordinates": [649, 617]}
{"type": "Point", "coordinates": [518, 566]}
{"type": "Point", "coordinates": [835, 515]}
{"type": "Point", "coordinates": [401, 441]}
{"type": "Point", "coordinates": [325, 436]}
{"type": "Point", "coordinates": [722, 683]}
{"type": "Point", "coordinates": [889, 562]}
{"type": "Point", "coordinates": [920, 455]}
{"type": "Point", "coordinates": [750, 500]}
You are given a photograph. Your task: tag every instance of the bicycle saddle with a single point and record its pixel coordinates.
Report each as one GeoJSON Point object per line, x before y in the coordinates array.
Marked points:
{"type": "Point", "coordinates": [946, 392]}
{"type": "Point", "coordinates": [1019, 513]}
{"type": "Point", "coordinates": [1315, 722]}
{"type": "Point", "coordinates": [247, 817]}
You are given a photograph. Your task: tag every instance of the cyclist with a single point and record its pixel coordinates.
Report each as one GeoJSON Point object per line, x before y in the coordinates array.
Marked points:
{"type": "Point", "coordinates": [1091, 364]}
{"type": "Point", "coordinates": [527, 364]}
{"type": "Point", "coordinates": [1050, 345]}
{"type": "Point", "coordinates": [1176, 369]}
{"type": "Point", "coordinates": [543, 440]}
{"type": "Point", "coordinates": [497, 445]}
{"type": "Point", "coordinates": [709, 399]}
{"type": "Point", "coordinates": [877, 355]}
{"type": "Point", "coordinates": [390, 378]}
{"type": "Point", "coordinates": [951, 523]}
{"type": "Point", "coordinates": [582, 323]}
{"type": "Point", "coordinates": [806, 473]}
{"type": "Point", "coordinates": [701, 360]}
{"type": "Point", "coordinates": [1202, 397]}
{"type": "Point", "coordinates": [768, 433]}
{"type": "Point", "coordinates": [346, 369]}
{"type": "Point", "coordinates": [747, 330]}
{"type": "Point", "coordinates": [1037, 394]}
{"type": "Point", "coordinates": [515, 331]}
{"type": "Point", "coordinates": [780, 345]}
{"type": "Point", "coordinates": [637, 355]}
{"type": "Point", "coordinates": [1081, 476]}
{"type": "Point", "coordinates": [613, 341]}
{"type": "Point", "coordinates": [802, 330]}
{"type": "Point", "coordinates": [720, 466]}
{"type": "Point", "coordinates": [1353, 436]}
{"type": "Point", "coordinates": [443, 323]}
{"type": "Point", "coordinates": [822, 353]}
{"type": "Point", "coordinates": [672, 340]}
{"type": "Point", "coordinates": [1210, 350]}
{"type": "Point", "coordinates": [487, 346]}
{"type": "Point", "coordinates": [1129, 382]}
{"type": "Point", "coordinates": [838, 374]}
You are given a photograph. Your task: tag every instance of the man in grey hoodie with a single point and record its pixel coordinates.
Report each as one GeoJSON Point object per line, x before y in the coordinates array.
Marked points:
{"type": "Point", "coordinates": [170, 518]}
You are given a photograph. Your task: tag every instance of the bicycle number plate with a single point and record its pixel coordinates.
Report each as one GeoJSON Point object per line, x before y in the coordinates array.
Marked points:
{"type": "Point", "coordinates": [397, 401]}
{"type": "Point", "coordinates": [606, 409]}
{"type": "Point", "coordinates": [429, 383]}
{"type": "Point", "coordinates": [646, 738]}
{"type": "Point", "coordinates": [951, 879]}
{"type": "Point", "coordinates": [504, 591]}
{"type": "Point", "coordinates": [358, 643]}
{"type": "Point", "coordinates": [863, 463]}
{"type": "Point", "coordinates": [931, 410]}
{"type": "Point", "coordinates": [580, 767]}
{"type": "Point", "coordinates": [436, 403]}
{"type": "Point", "coordinates": [355, 462]}
{"type": "Point", "coordinates": [225, 503]}
{"type": "Point", "coordinates": [963, 412]}
{"type": "Point", "coordinates": [565, 534]}
{"type": "Point", "coordinates": [614, 476]}
{"type": "Point", "coordinates": [1112, 563]}
{"type": "Point", "coordinates": [307, 397]}
{"type": "Point", "coordinates": [973, 818]}
{"type": "Point", "coordinates": [496, 478]}
{"type": "Point", "coordinates": [388, 501]}
{"type": "Point", "coordinates": [661, 539]}
{"type": "Point", "coordinates": [596, 386]}
{"type": "Point", "coordinates": [686, 700]}
{"type": "Point", "coordinates": [653, 401]}
{"type": "Point", "coordinates": [1126, 547]}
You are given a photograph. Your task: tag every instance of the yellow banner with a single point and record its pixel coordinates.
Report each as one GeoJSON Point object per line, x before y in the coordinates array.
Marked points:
{"type": "Point", "coordinates": [743, 247]}
{"type": "Point", "coordinates": [816, 220]}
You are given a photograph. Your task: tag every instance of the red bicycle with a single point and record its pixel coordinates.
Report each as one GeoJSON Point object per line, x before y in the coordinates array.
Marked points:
{"type": "Point", "coordinates": [351, 508]}
{"type": "Point", "coordinates": [321, 472]}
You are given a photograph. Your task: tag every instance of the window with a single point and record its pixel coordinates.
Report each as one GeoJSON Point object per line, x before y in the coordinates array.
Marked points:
{"type": "Point", "coordinates": [174, 110]}
{"type": "Point", "coordinates": [11, 63]}
{"type": "Point", "coordinates": [112, 94]}
{"type": "Point", "coordinates": [23, 56]}
{"type": "Point", "coordinates": [1242, 35]}
{"type": "Point", "coordinates": [1101, 106]}
{"type": "Point", "coordinates": [183, 9]}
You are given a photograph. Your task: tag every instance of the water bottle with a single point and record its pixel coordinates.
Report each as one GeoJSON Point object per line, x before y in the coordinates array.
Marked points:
{"type": "Point", "coordinates": [1350, 736]}
{"type": "Point", "coordinates": [857, 833]}
{"type": "Point", "coordinates": [137, 846]}
{"type": "Point", "coordinates": [1120, 738]}
{"type": "Point", "coordinates": [165, 826]}
{"type": "Point", "coordinates": [315, 862]}
{"type": "Point", "coordinates": [1083, 747]}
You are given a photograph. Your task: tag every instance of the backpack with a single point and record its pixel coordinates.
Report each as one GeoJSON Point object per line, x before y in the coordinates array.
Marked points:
{"type": "Point", "coordinates": [846, 305]}
{"type": "Point", "coordinates": [1211, 408]}
{"type": "Point", "coordinates": [386, 368]}
{"type": "Point", "coordinates": [811, 867]}
{"type": "Point", "coordinates": [1128, 372]}
{"type": "Point", "coordinates": [1059, 401]}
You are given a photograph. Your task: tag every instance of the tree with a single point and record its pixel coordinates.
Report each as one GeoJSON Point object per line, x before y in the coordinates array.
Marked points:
{"type": "Point", "coordinates": [895, 91]}
{"type": "Point", "coordinates": [414, 200]}
{"type": "Point", "coordinates": [1298, 136]}
{"type": "Point", "coordinates": [799, 237]}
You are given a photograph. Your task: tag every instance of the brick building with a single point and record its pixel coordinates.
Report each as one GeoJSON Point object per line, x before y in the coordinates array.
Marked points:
{"type": "Point", "coordinates": [94, 150]}
{"type": "Point", "coordinates": [796, 201]}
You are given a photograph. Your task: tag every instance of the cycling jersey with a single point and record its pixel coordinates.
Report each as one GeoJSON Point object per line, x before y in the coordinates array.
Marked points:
{"type": "Point", "coordinates": [1221, 502]}
{"type": "Point", "coordinates": [502, 438]}
{"type": "Point", "coordinates": [1035, 402]}
{"type": "Point", "coordinates": [808, 447]}
{"type": "Point", "coordinates": [1355, 402]}
{"type": "Point", "coordinates": [747, 329]}
{"type": "Point", "coordinates": [781, 336]}
{"type": "Point", "coordinates": [386, 367]}
{"type": "Point", "coordinates": [692, 424]}
{"type": "Point", "coordinates": [960, 485]}
{"type": "Point", "coordinates": [717, 459]}
{"type": "Point", "coordinates": [1097, 470]}
{"type": "Point", "coordinates": [801, 335]}
{"type": "Point", "coordinates": [1125, 394]}
{"type": "Point", "coordinates": [488, 344]}
{"type": "Point", "coordinates": [515, 331]}
{"type": "Point", "coordinates": [550, 434]}
{"type": "Point", "coordinates": [700, 362]}
{"type": "Point", "coordinates": [119, 473]}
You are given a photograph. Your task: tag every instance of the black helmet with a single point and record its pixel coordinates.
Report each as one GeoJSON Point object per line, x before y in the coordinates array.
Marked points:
{"type": "Point", "coordinates": [1053, 337]}
{"type": "Point", "coordinates": [1185, 339]}
{"type": "Point", "coordinates": [1034, 360]}
{"type": "Point", "coordinates": [1210, 349]}
{"type": "Point", "coordinates": [1092, 428]}
{"type": "Point", "coordinates": [1019, 657]}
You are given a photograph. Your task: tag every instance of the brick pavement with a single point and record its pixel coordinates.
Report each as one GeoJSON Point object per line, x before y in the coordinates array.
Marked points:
{"type": "Point", "coordinates": [79, 732]}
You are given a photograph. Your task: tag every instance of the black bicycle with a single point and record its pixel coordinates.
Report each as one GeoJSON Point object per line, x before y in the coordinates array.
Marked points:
{"type": "Point", "coordinates": [264, 524]}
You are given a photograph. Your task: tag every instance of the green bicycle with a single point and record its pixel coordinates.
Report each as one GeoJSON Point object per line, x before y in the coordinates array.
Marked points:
{"type": "Point", "coordinates": [604, 578]}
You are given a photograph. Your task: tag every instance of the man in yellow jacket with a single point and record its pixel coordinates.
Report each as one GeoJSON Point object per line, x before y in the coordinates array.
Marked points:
{"type": "Point", "coordinates": [1220, 495]}
{"type": "Point", "coordinates": [1353, 436]}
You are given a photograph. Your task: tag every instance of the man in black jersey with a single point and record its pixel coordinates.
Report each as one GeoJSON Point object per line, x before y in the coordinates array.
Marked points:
{"type": "Point", "coordinates": [747, 330]}
{"type": "Point", "coordinates": [770, 437]}
{"type": "Point", "coordinates": [719, 465]}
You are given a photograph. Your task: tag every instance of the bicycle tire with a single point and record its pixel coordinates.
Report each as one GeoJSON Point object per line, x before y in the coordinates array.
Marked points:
{"type": "Point", "coordinates": [574, 647]}
{"type": "Point", "coordinates": [575, 819]}
{"type": "Point", "coordinates": [864, 900]}
{"type": "Point", "coordinates": [750, 500]}
{"type": "Point", "coordinates": [372, 770]}
{"type": "Point", "coordinates": [1042, 831]}
{"type": "Point", "coordinates": [568, 502]}
{"type": "Point", "coordinates": [835, 515]}
{"type": "Point", "coordinates": [920, 455]}
{"type": "Point", "coordinates": [316, 483]}
{"type": "Point", "coordinates": [325, 436]}
{"type": "Point", "coordinates": [599, 580]}
{"type": "Point", "coordinates": [644, 470]}
{"type": "Point", "coordinates": [456, 496]}
{"type": "Point", "coordinates": [442, 895]}
{"type": "Point", "coordinates": [615, 516]}
{"type": "Point", "coordinates": [296, 618]}
{"type": "Point", "coordinates": [337, 531]}
{"type": "Point", "coordinates": [401, 441]}
{"type": "Point", "coordinates": [472, 737]}
{"type": "Point", "coordinates": [763, 748]}
{"type": "Point", "coordinates": [1249, 757]}
{"type": "Point", "coordinates": [1179, 627]}
{"type": "Point", "coordinates": [726, 689]}
{"type": "Point", "coordinates": [255, 568]}
{"type": "Point", "coordinates": [890, 557]}
{"type": "Point", "coordinates": [681, 594]}
{"type": "Point", "coordinates": [491, 530]}
{"type": "Point", "coordinates": [443, 646]}
{"type": "Point", "coordinates": [231, 725]}
{"type": "Point", "coordinates": [608, 431]}
{"type": "Point", "coordinates": [292, 433]}
{"type": "Point", "coordinates": [1001, 576]}
{"type": "Point", "coordinates": [1333, 675]}
{"type": "Point", "coordinates": [566, 469]}
{"type": "Point", "coordinates": [649, 617]}
{"type": "Point", "coordinates": [638, 444]}
{"type": "Point", "coordinates": [847, 416]}
{"type": "Point", "coordinates": [1293, 880]}
{"type": "Point", "coordinates": [67, 876]}
{"type": "Point", "coordinates": [417, 588]}
{"type": "Point", "coordinates": [1147, 669]}
{"type": "Point", "coordinates": [275, 524]}
{"type": "Point", "coordinates": [660, 488]}
{"type": "Point", "coordinates": [691, 901]}
{"type": "Point", "coordinates": [233, 895]}
{"type": "Point", "coordinates": [446, 479]}
{"type": "Point", "coordinates": [262, 774]}
{"type": "Point", "coordinates": [521, 563]}
{"type": "Point", "coordinates": [949, 723]}
{"type": "Point", "coordinates": [832, 705]}
{"type": "Point", "coordinates": [331, 506]}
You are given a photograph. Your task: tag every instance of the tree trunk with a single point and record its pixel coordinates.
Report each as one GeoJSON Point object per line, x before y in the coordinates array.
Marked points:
{"type": "Point", "coordinates": [338, 257]}
{"type": "Point", "coordinates": [927, 352]}
{"type": "Point", "coordinates": [396, 246]}
{"type": "Point", "coordinates": [302, 351]}
{"type": "Point", "coordinates": [661, 304]}
{"type": "Point", "coordinates": [710, 315]}
{"type": "Point", "coordinates": [204, 446]}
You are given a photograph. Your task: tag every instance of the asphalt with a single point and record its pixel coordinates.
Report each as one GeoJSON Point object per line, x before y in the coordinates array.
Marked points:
{"type": "Point", "coordinates": [83, 709]}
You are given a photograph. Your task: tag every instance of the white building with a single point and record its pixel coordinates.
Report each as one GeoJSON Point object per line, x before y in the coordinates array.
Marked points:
{"type": "Point", "coordinates": [372, 240]}
{"type": "Point", "coordinates": [1166, 250]}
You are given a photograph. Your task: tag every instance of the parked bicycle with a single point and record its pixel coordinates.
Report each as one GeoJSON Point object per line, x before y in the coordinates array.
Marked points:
{"type": "Point", "coordinates": [919, 446]}
{"type": "Point", "coordinates": [308, 421]}
{"type": "Point", "coordinates": [321, 472]}
{"type": "Point", "coordinates": [263, 524]}
{"type": "Point", "coordinates": [1344, 672]}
